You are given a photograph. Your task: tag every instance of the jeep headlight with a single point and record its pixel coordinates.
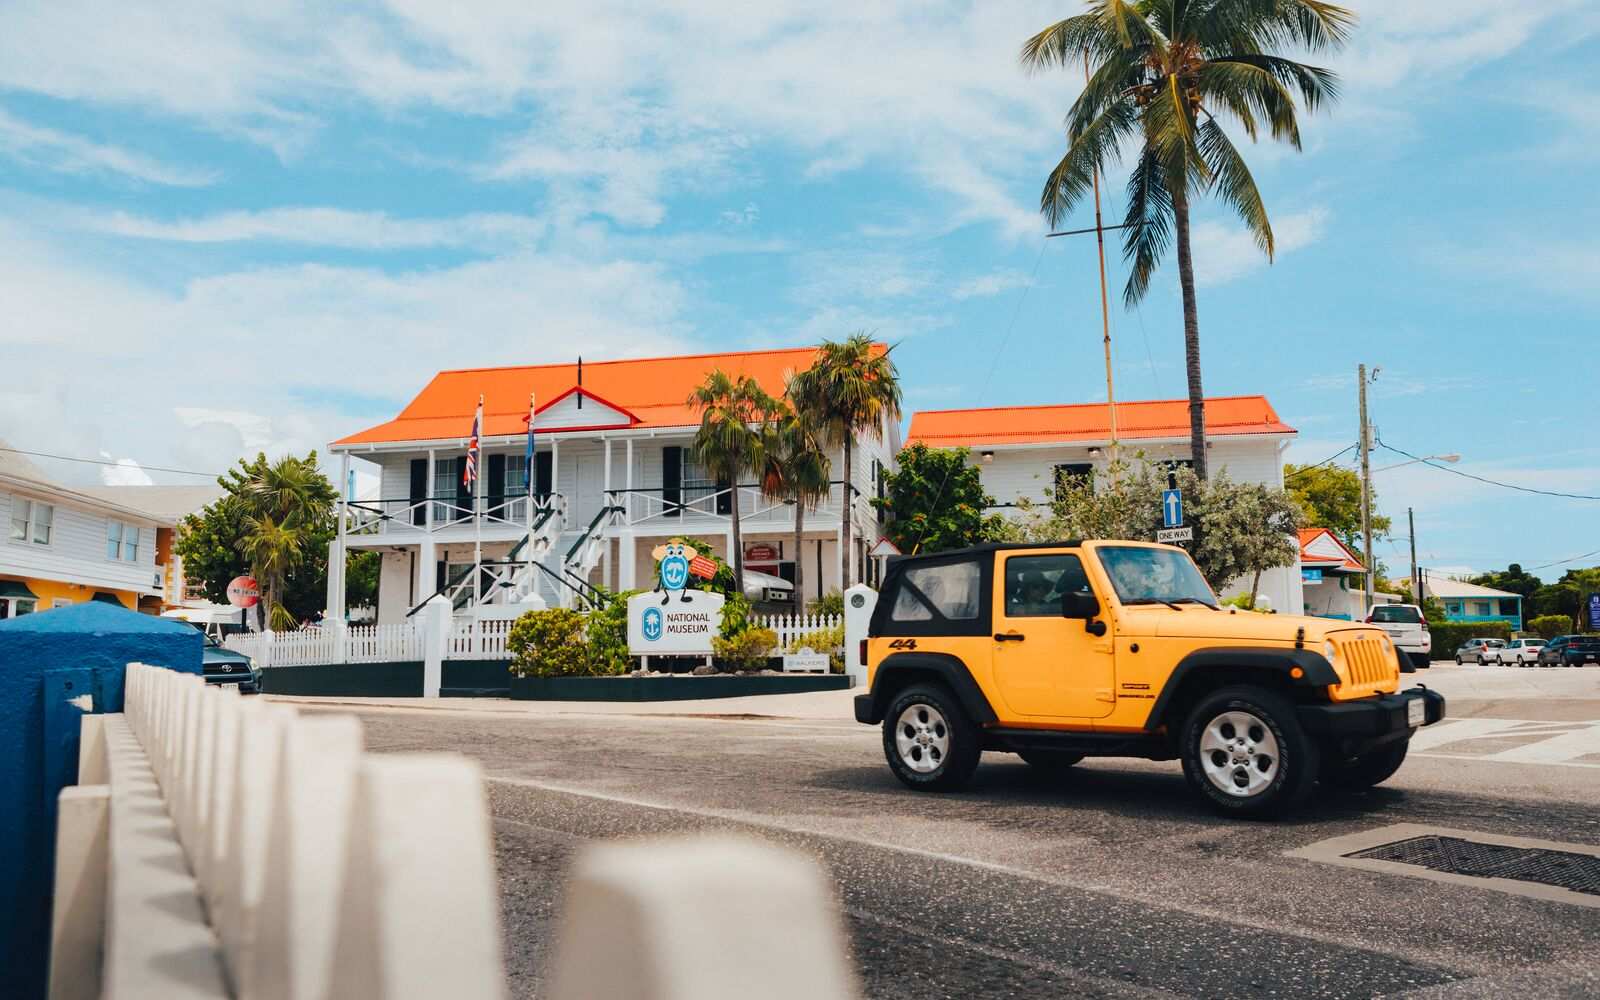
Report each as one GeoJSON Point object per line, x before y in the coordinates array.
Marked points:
{"type": "Point", "coordinates": [1331, 652]}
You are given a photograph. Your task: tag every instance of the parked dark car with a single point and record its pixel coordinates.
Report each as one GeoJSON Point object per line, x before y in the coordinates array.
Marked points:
{"type": "Point", "coordinates": [1570, 651]}
{"type": "Point", "coordinates": [224, 666]}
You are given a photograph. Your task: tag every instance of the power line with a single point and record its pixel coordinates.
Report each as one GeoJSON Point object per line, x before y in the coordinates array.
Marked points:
{"type": "Point", "coordinates": [102, 461]}
{"type": "Point", "coordinates": [1482, 479]}
{"type": "Point", "coordinates": [1311, 468]}
{"type": "Point", "coordinates": [1561, 562]}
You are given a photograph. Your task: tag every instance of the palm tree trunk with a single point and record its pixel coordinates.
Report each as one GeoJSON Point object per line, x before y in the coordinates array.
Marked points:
{"type": "Point", "coordinates": [849, 506]}
{"type": "Point", "coordinates": [738, 541]}
{"type": "Point", "coordinates": [1191, 334]}
{"type": "Point", "coordinates": [799, 558]}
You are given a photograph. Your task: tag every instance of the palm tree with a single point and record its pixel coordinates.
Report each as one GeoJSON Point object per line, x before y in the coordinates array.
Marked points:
{"type": "Point", "coordinates": [1165, 70]}
{"type": "Point", "coordinates": [850, 387]}
{"type": "Point", "coordinates": [795, 468]}
{"type": "Point", "coordinates": [281, 504]}
{"type": "Point", "coordinates": [275, 549]}
{"type": "Point", "coordinates": [733, 412]}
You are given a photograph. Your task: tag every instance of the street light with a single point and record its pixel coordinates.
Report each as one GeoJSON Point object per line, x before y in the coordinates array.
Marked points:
{"type": "Point", "coordinates": [1452, 458]}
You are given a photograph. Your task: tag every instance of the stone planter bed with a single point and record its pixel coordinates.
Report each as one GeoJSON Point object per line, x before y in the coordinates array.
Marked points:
{"type": "Point", "coordinates": [671, 687]}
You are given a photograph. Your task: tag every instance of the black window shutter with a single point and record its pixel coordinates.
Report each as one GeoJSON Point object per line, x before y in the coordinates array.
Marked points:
{"type": "Point", "coordinates": [672, 479]}
{"type": "Point", "coordinates": [439, 575]}
{"type": "Point", "coordinates": [419, 490]}
{"type": "Point", "coordinates": [542, 467]}
{"type": "Point", "coordinates": [724, 496]}
{"type": "Point", "coordinates": [497, 481]}
{"type": "Point", "coordinates": [463, 495]}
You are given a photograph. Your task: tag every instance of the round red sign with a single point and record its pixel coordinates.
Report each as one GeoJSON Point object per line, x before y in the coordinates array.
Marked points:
{"type": "Point", "coordinates": [243, 592]}
{"type": "Point", "coordinates": [760, 552]}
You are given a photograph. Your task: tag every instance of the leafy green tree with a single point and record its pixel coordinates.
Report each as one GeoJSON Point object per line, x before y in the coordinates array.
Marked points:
{"type": "Point", "coordinates": [733, 413]}
{"type": "Point", "coordinates": [275, 516]}
{"type": "Point", "coordinates": [935, 500]}
{"type": "Point", "coordinates": [1513, 579]}
{"type": "Point", "coordinates": [849, 388]}
{"type": "Point", "coordinates": [795, 468]}
{"type": "Point", "coordinates": [1330, 496]}
{"type": "Point", "coordinates": [1241, 529]}
{"type": "Point", "coordinates": [1164, 71]}
{"type": "Point", "coordinates": [720, 582]}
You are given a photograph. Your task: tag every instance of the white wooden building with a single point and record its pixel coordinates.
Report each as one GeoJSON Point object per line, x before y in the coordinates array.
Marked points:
{"type": "Point", "coordinates": [613, 476]}
{"type": "Point", "coordinates": [1020, 451]}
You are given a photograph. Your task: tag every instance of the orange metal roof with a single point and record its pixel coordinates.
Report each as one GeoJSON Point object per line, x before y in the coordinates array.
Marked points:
{"type": "Point", "coordinates": [1347, 562]}
{"type": "Point", "coordinates": [650, 392]}
{"type": "Point", "coordinates": [1073, 422]}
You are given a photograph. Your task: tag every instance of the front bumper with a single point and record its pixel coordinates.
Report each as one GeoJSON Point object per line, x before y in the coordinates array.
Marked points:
{"type": "Point", "coordinates": [1371, 721]}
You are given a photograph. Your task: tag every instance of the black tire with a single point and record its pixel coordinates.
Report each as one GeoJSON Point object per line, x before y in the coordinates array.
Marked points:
{"type": "Point", "coordinates": [944, 743]}
{"type": "Point", "coordinates": [1269, 723]}
{"type": "Point", "coordinates": [1049, 761]}
{"type": "Point", "coordinates": [1372, 768]}
{"type": "Point", "coordinates": [1458, 660]}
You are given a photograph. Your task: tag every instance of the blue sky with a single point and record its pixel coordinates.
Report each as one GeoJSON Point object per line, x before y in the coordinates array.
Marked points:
{"type": "Point", "coordinates": [230, 227]}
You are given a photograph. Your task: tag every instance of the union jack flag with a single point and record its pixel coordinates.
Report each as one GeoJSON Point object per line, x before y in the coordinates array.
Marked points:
{"type": "Point", "coordinates": [469, 472]}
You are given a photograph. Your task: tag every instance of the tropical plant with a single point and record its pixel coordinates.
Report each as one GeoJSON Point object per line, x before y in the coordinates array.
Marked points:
{"type": "Point", "coordinates": [935, 500]}
{"type": "Point", "coordinates": [606, 632]}
{"type": "Point", "coordinates": [823, 640]}
{"type": "Point", "coordinates": [548, 643]}
{"type": "Point", "coordinates": [733, 413]}
{"type": "Point", "coordinates": [274, 549]}
{"type": "Point", "coordinates": [795, 468]}
{"type": "Point", "coordinates": [745, 650]}
{"type": "Point", "coordinates": [1163, 72]}
{"type": "Point", "coordinates": [1330, 496]}
{"type": "Point", "coordinates": [831, 603]}
{"type": "Point", "coordinates": [852, 386]}
{"type": "Point", "coordinates": [1550, 626]}
{"type": "Point", "coordinates": [720, 581]}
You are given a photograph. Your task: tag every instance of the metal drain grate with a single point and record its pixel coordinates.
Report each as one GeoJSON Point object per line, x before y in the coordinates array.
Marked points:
{"type": "Point", "coordinates": [1564, 869]}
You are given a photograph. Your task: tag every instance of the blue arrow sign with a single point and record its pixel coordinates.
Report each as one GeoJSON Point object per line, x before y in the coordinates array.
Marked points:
{"type": "Point", "coordinates": [1171, 508]}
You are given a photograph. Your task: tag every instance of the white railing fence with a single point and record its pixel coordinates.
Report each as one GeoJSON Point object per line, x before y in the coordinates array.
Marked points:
{"type": "Point", "coordinates": [792, 627]}
{"type": "Point", "coordinates": [226, 847]}
{"type": "Point", "coordinates": [478, 639]}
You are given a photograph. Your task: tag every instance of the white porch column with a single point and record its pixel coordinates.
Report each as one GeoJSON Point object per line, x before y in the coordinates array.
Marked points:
{"type": "Point", "coordinates": [627, 478]}
{"type": "Point", "coordinates": [627, 559]}
{"type": "Point", "coordinates": [555, 469]}
{"type": "Point", "coordinates": [425, 554]}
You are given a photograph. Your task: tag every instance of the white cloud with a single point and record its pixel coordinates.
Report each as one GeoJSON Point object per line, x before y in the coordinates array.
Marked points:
{"type": "Point", "coordinates": [73, 154]}
{"type": "Point", "coordinates": [126, 472]}
{"type": "Point", "coordinates": [1230, 251]}
{"type": "Point", "coordinates": [986, 285]}
{"type": "Point", "coordinates": [332, 227]}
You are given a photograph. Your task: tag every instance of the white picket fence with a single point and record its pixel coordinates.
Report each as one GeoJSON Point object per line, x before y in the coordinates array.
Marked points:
{"type": "Point", "coordinates": [218, 846]}
{"type": "Point", "coordinates": [792, 627]}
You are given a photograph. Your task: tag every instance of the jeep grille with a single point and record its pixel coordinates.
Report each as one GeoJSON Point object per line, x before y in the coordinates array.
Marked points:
{"type": "Point", "coordinates": [1368, 666]}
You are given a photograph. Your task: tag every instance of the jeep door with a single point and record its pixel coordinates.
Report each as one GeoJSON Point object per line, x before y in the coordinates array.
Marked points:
{"type": "Point", "coordinates": [1047, 666]}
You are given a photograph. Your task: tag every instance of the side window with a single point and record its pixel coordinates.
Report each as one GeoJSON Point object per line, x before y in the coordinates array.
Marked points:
{"type": "Point", "coordinates": [950, 589]}
{"type": "Point", "coordinates": [1034, 585]}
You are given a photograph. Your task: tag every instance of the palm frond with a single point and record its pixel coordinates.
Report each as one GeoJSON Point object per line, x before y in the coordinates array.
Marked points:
{"type": "Point", "coordinates": [1065, 42]}
{"type": "Point", "coordinates": [1317, 85]}
{"type": "Point", "coordinates": [1149, 218]}
{"type": "Point", "coordinates": [1089, 152]}
{"type": "Point", "coordinates": [1315, 24]}
{"type": "Point", "coordinates": [1237, 84]}
{"type": "Point", "coordinates": [1234, 184]}
{"type": "Point", "coordinates": [1108, 84]}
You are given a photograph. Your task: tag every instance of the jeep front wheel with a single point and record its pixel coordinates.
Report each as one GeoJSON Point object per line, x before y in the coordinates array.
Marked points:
{"type": "Point", "coordinates": [1245, 751]}
{"type": "Point", "coordinates": [928, 739]}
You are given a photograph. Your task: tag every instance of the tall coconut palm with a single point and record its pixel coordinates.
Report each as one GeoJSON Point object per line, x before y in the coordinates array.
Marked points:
{"type": "Point", "coordinates": [795, 468]}
{"type": "Point", "coordinates": [282, 503]}
{"type": "Point", "coordinates": [275, 549]}
{"type": "Point", "coordinates": [1166, 75]}
{"type": "Point", "coordinates": [851, 386]}
{"type": "Point", "coordinates": [733, 413]}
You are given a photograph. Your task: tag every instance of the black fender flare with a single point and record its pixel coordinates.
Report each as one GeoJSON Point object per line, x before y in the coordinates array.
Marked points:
{"type": "Point", "coordinates": [899, 669]}
{"type": "Point", "coordinates": [1315, 671]}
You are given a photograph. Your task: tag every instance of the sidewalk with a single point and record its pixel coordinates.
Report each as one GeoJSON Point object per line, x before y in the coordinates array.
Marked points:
{"type": "Point", "coordinates": [811, 705]}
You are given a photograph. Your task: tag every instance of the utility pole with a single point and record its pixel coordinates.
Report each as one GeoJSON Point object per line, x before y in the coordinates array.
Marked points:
{"type": "Point", "coordinates": [1416, 580]}
{"type": "Point", "coordinates": [1366, 488]}
{"type": "Point", "coordinates": [1105, 308]}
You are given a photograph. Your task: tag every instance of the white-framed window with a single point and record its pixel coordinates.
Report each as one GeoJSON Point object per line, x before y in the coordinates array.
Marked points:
{"type": "Point", "coordinates": [696, 481]}
{"type": "Point", "coordinates": [446, 473]}
{"type": "Point", "coordinates": [31, 520]}
{"type": "Point", "coordinates": [122, 541]}
{"type": "Point", "coordinates": [516, 488]}
{"type": "Point", "coordinates": [16, 607]}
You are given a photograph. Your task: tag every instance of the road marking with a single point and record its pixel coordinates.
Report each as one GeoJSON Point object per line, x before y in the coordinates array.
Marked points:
{"type": "Point", "coordinates": [1562, 743]}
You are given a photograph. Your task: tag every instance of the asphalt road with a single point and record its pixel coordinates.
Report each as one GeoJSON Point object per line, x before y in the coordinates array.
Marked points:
{"type": "Point", "coordinates": [1112, 881]}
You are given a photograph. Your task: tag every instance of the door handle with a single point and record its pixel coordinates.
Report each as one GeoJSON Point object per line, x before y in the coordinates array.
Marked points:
{"type": "Point", "coordinates": [1009, 637]}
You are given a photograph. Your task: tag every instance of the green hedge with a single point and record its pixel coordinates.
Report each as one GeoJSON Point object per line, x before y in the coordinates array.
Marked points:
{"type": "Point", "coordinates": [1550, 626]}
{"type": "Point", "coordinates": [1447, 636]}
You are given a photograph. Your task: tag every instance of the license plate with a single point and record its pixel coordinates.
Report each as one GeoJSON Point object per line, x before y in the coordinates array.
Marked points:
{"type": "Point", "coordinates": [1416, 711]}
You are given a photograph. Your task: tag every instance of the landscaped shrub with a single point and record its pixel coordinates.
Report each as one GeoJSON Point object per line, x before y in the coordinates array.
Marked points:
{"type": "Point", "coordinates": [548, 643]}
{"type": "Point", "coordinates": [745, 650]}
{"type": "Point", "coordinates": [1550, 626]}
{"type": "Point", "coordinates": [606, 635]}
{"type": "Point", "coordinates": [831, 603]}
{"type": "Point", "coordinates": [735, 616]}
{"type": "Point", "coordinates": [1448, 635]}
{"type": "Point", "coordinates": [823, 640]}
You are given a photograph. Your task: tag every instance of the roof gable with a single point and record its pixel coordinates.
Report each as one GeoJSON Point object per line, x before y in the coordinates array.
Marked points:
{"type": "Point", "coordinates": [1321, 547]}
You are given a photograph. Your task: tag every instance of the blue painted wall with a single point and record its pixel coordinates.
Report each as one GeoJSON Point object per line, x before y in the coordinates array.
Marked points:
{"type": "Point", "coordinates": [90, 642]}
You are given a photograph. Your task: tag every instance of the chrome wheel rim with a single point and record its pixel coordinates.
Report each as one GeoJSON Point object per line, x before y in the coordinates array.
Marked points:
{"type": "Point", "coordinates": [1239, 754]}
{"type": "Point", "coordinates": [922, 738]}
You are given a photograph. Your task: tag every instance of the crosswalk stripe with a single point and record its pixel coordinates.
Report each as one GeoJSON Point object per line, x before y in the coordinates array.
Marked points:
{"type": "Point", "coordinates": [1558, 743]}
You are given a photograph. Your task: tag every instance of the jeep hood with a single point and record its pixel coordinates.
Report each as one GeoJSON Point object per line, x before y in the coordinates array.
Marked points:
{"type": "Point", "coordinates": [1195, 622]}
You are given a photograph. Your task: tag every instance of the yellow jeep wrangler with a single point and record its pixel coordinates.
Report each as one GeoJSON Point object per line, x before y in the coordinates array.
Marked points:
{"type": "Point", "coordinates": [1066, 650]}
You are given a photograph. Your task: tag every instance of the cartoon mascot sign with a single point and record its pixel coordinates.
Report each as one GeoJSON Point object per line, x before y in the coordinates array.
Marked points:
{"type": "Point", "coordinates": [672, 619]}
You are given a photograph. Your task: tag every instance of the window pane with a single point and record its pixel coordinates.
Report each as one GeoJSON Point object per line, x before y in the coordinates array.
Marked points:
{"type": "Point", "coordinates": [952, 587]}
{"type": "Point", "coordinates": [1036, 584]}
{"type": "Point", "coordinates": [21, 608]}
{"type": "Point", "coordinates": [44, 516]}
{"type": "Point", "coordinates": [19, 518]}
{"type": "Point", "coordinates": [908, 609]}
{"type": "Point", "coordinates": [130, 545]}
{"type": "Point", "coordinates": [1396, 615]}
{"type": "Point", "coordinates": [113, 539]}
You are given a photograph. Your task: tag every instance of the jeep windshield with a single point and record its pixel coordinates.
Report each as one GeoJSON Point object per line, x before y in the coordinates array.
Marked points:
{"type": "Point", "coordinates": [1154, 576]}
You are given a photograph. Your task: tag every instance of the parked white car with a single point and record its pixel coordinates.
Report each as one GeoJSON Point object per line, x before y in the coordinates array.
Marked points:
{"type": "Point", "coordinates": [1516, 653]}
{"type": "Point", "coordinates": [1408, 630]}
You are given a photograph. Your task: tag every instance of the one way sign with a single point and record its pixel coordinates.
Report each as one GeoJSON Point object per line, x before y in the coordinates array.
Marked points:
{"type": "Point", "coordinates": [1171, 508]}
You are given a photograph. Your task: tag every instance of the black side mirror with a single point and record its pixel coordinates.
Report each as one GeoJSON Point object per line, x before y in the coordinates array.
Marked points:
{"type": "Point", "coordinates": [1077, 604]}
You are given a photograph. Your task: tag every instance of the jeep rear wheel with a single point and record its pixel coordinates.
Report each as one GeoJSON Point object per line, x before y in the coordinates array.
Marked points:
{"type": "Point", "coordinates": [930, 743]}
{"type": "Point", "coordinates": [1372, 768]}
{"type": "Point", "coordinates": [1244, 750]}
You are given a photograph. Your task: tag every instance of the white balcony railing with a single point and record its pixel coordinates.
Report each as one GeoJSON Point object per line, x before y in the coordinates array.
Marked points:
{"type": "Point", "coordinates": [655, 507]}
{"type": "Point", "coordinates": [396, 515]}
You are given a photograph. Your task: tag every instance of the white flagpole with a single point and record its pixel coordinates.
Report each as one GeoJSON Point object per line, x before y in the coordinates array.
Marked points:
{"type": "Point", "coordinates": [477, 510]}
{"type": "Point", "coordinates": [533, 463]}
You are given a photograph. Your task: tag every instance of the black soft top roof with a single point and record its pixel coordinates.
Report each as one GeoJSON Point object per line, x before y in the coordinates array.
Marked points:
{"type": "Point", "coordinates": [989, 547]}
